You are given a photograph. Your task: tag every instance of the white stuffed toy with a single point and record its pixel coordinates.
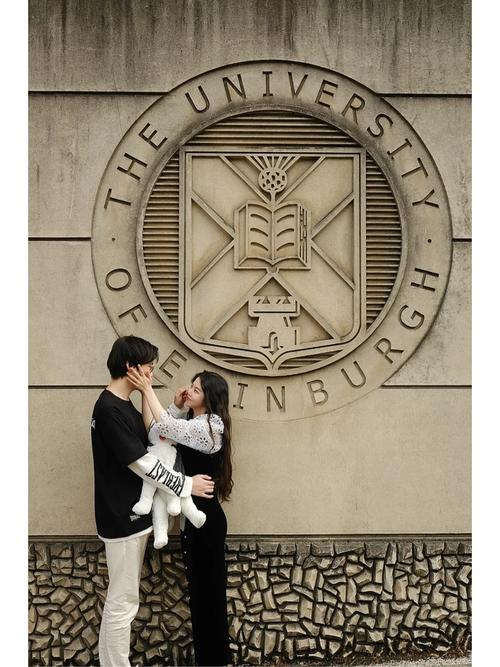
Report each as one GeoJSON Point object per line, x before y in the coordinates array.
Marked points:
{"type": "Point", "coordinates": [165, 504]}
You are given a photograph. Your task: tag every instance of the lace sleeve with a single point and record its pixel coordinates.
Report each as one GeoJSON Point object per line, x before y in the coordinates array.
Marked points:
{"type": "Point", "coordinates": [193, 433]}
{"type": "Point", "coordinates": [178, 413]}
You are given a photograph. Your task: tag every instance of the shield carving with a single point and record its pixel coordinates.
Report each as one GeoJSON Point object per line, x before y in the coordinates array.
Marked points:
{"type": "Point", "coordinates": [273, 244]}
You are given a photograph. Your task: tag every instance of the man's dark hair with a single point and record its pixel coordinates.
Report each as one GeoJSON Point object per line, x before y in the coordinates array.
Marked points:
{"type": "Point", "coordinates": [132, 349]}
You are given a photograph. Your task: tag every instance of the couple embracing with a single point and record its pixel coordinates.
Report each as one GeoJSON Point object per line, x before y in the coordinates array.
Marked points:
{"type": "Point", "coordinates": [198, 421]}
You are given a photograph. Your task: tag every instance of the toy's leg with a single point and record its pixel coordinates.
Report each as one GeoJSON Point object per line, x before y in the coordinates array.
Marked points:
{"type": "Point", "coordinates": [190, 511]}
{"type": "Point", "coordinates": [172, 502]}
{"type": "Point", "coordinates": [145, 502]}
{"type": "Point", "coordinates": [160, 522]}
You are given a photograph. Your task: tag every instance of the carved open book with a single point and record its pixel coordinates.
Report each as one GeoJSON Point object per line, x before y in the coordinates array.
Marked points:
{"type": "Point", "coordinates": [273, 233]}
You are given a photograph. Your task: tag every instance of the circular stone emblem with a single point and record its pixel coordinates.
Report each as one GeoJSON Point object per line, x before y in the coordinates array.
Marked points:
{"type": "Point", "coordinates": [278, 223]}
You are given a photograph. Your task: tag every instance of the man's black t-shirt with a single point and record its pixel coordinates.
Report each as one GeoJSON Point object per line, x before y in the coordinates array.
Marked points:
{"type": "Point", "coordinates": [118, 438]}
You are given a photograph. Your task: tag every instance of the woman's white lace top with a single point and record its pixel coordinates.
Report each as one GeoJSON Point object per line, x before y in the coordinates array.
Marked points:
{"type": "Point", "coordinates": [194, 432]}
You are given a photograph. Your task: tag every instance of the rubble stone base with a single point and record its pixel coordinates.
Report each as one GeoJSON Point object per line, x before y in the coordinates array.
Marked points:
{"type": "Point", "coordinates": [290, 600]}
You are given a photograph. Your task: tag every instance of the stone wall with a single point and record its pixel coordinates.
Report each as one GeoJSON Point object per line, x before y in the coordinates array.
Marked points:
{"type": "Point", "coordinates": [380, 466]}
{"type": "Point", "coordinates": [325, 600]}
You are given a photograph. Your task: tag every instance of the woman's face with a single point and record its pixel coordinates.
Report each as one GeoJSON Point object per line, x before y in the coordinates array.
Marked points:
{"type": "Point", "coordinates": [195, 397]}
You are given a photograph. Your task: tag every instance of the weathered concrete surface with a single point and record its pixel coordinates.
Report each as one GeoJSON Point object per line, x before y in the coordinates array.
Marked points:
{"type": "Point", "coordinates": [393, 462]}
{"type": "Point", "coordinates": [445, 355]}
{"type": "Point", "coordinates": [70, 343]}
{"type": "Point", "coordinates": [131, 45]}
{"type": "Point", "coordinates": [444, 124]}
{"type": "Point", "coordinates": [69, 333]}
{"type": "Point", "coordinates": [72, 137]}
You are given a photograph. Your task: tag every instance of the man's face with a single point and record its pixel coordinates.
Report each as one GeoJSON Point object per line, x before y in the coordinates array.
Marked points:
{"type": "Point", "coordinates": [147, 369]}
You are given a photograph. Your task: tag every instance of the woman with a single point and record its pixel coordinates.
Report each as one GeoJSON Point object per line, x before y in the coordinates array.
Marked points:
{"type": "Point", "coordinates": [204, 438]}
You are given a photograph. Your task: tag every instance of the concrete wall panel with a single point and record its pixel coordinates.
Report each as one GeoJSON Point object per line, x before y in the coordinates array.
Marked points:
{"type": "Point", "coordinates": [398, 458]}
{"type": "Point", "coordinates": [72, 137]}
{"type": "Point", "coordinates": [443, 122]}
{"type": "Point", "coordinates": [70, 344]}
{"type": "Point", "coordinates": [444, 357]}
{"type": "Point", "coordinates": [130, 45]}
{"type": "Point", "coordinates": [396, 461]}
{"type": "Point", "coordinates": [69, 333]}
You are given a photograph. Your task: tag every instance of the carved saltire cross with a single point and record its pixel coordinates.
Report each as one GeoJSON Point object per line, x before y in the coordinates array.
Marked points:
{"type": "Point", "coordinates": [272, 214]}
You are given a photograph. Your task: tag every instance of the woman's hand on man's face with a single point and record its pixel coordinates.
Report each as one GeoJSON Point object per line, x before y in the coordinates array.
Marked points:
{"type": "Point", "coordinates": [138, 378]}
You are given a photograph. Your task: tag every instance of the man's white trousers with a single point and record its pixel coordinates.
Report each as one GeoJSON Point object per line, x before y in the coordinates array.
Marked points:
{"type": "Point", "coordinates": [124, 560]}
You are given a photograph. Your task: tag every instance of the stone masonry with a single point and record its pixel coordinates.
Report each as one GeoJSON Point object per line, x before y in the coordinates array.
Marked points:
{"type": "Point", "coordinates": [325, 601]}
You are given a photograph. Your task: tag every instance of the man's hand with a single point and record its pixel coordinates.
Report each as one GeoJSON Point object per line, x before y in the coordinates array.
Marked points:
{"type": "Point", "coordinates": [203, 486]}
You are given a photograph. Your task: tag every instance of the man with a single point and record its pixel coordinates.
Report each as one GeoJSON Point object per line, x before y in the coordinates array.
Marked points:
{"type": "Point", "coordinates": [121, 462]}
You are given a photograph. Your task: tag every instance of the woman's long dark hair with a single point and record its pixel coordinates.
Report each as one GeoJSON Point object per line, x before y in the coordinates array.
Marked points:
{"type": "Point", "coordinates": [216, 392]}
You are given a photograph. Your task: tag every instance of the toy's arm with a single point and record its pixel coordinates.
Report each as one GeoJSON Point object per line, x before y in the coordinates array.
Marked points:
{"type": "Point", "coordinates": [152, 470]}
